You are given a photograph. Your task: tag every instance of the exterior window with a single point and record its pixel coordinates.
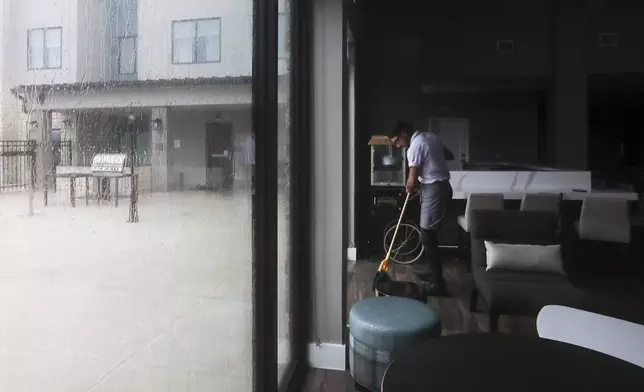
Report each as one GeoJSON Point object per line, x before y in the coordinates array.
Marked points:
{"type": "Point", "coordinates": [155, 255]}
{"type": "Point", "coordinates": [127, 55]}
{"type": "Point", "coordinates": [281, 37]}
{"type": "Point", "coordinates": [196, 41]}
{"type": "Point", "coordinates": [45, 48]}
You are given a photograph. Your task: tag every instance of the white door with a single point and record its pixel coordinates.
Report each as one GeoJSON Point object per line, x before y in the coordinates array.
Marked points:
{"type": "Point", "coordinates": [454, 134]}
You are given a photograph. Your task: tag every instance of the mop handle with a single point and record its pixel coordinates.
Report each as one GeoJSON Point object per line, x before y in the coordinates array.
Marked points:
{"type": "Point", "coordinates": [402, 213]}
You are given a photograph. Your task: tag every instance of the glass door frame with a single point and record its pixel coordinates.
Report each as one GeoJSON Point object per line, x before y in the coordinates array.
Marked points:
{"type": "Point", "coordinates": [301, 134]}
{"type": "Point", "coordinates": [265, 200]}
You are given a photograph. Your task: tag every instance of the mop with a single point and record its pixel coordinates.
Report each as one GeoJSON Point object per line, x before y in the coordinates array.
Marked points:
{"type": "Point", "coordinates": [382, 275]}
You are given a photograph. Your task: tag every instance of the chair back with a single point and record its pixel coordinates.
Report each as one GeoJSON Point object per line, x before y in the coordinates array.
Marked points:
{"type": "Point", "coordinates": [510, 227]}
{"type": "Point", "coordinates": [547, 202]}
{"type": "Point", "coordinates": [482, 201]}
{"type": "Point", "coordinates": [605, 220]}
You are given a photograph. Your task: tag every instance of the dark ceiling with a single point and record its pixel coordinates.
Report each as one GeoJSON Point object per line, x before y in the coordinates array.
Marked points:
{"type": "Point", "coordinates": [403, 15]}
{"type": "Point", "coordinates": [420, 8]}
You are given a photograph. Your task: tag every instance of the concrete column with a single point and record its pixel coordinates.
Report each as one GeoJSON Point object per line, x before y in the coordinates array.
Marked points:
{"type": "Point", "coordinates": [571, 90]}
{"type": "Point", "coordinates": [328, 172]}
{"type": "Point", "coordinates": [159, 153]}
{"type": "Point", "coordinates": [39, 125]}
{"type": "Point", "coordinates": [352, 161]}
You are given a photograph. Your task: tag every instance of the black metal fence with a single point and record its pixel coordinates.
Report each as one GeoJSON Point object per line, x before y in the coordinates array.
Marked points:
{"type": "Point", "coordinates": [62, 153]}
{"type": "Point", "coordinates": [18, 161]}
{"type": "Point", "coordinates": [17, 164]}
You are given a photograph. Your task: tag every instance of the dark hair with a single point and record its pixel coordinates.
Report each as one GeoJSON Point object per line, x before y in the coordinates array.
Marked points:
{"type": "Point", "coordinates": [401, 126]}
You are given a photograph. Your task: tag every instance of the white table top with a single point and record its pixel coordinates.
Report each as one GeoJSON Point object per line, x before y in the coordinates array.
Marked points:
{"type": "Point", "coordinates": [514, 184]}
{"type": "Point", "coordinates": [617, 338]}
{"type": "Point", "coordinates": [568, 194]}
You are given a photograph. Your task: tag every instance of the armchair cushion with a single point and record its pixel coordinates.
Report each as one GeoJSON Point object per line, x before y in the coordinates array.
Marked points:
{"type": "Point", "coordinates": [525, 293]}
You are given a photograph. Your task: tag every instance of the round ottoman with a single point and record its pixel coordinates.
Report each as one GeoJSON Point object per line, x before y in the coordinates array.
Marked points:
{"type": "Point", "coordinates": [382, 326]}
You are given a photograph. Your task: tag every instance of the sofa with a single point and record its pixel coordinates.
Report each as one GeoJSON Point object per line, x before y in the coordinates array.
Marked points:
{"type": "Point", "coordinates": [525, 293]}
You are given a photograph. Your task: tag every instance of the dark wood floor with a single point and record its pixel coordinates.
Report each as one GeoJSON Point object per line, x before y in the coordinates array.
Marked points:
{"type": "Point", "coordinates": [453, 310]}
{"type": "Point", "coordinates": [320, 380]}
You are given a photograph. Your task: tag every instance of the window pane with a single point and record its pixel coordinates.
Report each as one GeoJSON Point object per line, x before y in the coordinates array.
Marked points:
{"type": "Point", "coordinates": [36, 49]}
{"type": "Point", "coordinates": [53, 44]}
{"type": "Point", "coordinates": [53, 38]}
{"type": "Point", "coordinates": [124, 17]}
{"type": "Point", "coordinates": [208, 27]}
{"type": "Point", "coordinates": [208, 37]}
{"type": "Point", "coordinates": [53, 58]}
{"type": "Point", "coordinates": [284, 279]}
{"type": "Point", "coordinates": [207, 49]}
{"type": "Point", "coordinates": [138, 282]}
{"type": "Point", "coordinates": [184, 41]}
{"type": "Point", "coordinates": [282, 31]}
{"type": "Point", "coordinates": [127, 56]}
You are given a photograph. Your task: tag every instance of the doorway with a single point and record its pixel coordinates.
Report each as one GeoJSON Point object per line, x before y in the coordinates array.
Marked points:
{"type": "Point", "coordinates": [220, 168]}
{"type": "Point", "coordinates": [454, 132]}
{"type": "Point", "coordinates": [614, 129]}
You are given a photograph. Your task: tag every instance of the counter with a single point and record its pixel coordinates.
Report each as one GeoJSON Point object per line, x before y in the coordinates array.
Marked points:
{"type": "Point", "coordinates": [574, 185]}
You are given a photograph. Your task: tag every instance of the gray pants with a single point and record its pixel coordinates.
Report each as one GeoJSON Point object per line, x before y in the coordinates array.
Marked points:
{"type": "Point", "coordinates": [435, 201]}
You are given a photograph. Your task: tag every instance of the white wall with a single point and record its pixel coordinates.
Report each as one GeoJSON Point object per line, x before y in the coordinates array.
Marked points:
{"type": "Point", "coordinates": [87, 39]}
{"type": "Point", "coordinates": [189, 126]}
{"type": "Point", "coordinates": [9, 108]}
{"type": "Point", "coordinates": [17, 18]}
{"type": "Point", "coordinates": [94, 40]}
{"type": "Point", "coordinates": [88, 54]}
{"type": "Point", "coordinates": [155, 38]}
{"type": "Point", "coordinates": [30, 14]}
{"type": "Point", "coordinates": [328, 171]}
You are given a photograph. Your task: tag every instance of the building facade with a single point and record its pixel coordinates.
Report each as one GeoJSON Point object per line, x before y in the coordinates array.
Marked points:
{"type": "Point", "coordinates": [77, 69]}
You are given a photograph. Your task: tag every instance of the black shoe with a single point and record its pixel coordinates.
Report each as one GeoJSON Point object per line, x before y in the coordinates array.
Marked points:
{"type": "Point", "coordinates": [434, 289]}
{"type": "Point", "coordinates": [425, 276]}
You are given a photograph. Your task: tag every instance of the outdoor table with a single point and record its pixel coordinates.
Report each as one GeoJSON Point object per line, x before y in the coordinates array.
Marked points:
{"type": "Point", "coordinates": [499, 362]}
{"type": "Point", "coordinates": [72, 187]}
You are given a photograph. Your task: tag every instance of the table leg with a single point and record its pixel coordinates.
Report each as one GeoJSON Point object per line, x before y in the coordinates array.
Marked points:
{"type": "Point", "coordinates": [46, 191]}
{"type": "Point", "coordinates": [99, 190]}
{"type": "Point", "coordinates": [72, 190]}
{"type": "Point", "coordinates": [86, 191]}
{"type": "Point", "coordinates": [493, 326]}
{"type": "Point", "coordinates": [116, 192]}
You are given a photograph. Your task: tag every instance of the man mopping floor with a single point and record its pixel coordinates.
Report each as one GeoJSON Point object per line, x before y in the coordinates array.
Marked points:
{"type": "Point", "coordinates": [427, 159]}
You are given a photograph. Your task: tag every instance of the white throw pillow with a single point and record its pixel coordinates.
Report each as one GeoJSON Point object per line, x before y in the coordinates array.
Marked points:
{"type": "Point", "coordinates": [536, 258]}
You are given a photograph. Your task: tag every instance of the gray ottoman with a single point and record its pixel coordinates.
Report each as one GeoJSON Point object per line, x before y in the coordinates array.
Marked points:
{"type": "Point", "coordinates": [379, 328]}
